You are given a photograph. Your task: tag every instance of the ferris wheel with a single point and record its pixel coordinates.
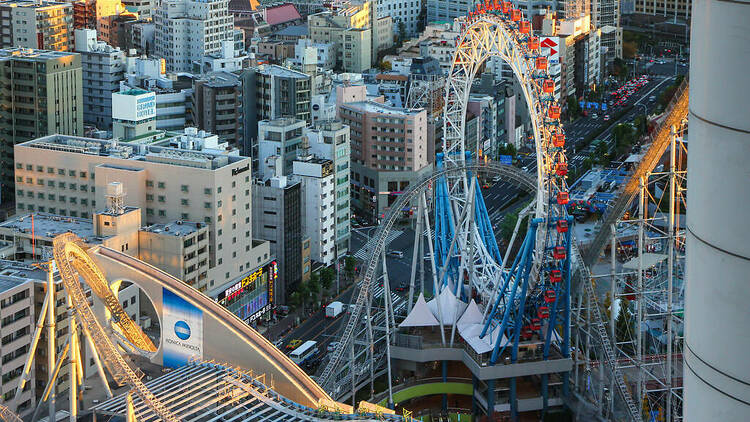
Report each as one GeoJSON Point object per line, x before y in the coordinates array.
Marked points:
{"type": "Point", "coordinates": [514, 301]}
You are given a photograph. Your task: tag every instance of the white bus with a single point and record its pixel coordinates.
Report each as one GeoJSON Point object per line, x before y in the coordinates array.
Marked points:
{"type": "Point", "coordinates": [307, 350]}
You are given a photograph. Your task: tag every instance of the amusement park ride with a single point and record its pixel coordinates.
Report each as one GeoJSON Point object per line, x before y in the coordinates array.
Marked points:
{"type": "Point", "coordinates": [545, 294]}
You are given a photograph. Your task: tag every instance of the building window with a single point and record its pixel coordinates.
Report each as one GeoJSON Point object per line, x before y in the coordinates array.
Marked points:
{"type": "Point", "coordinates": [184, 216]}
{"type": "Point", "coordinates": [162, 213]}
{"type": "Point", "coordinates": [184, 202]}
{"type": "Point", "coordinates": [149, 183]}
{"type": "Point", "coordinates": [149, 197]}
{"type": "Point", "coordinates": [161, 185]}
{"type": "Point", "coordinates": [184, 188]}
{"type": "Point", "coordinates": [161, 198]}
{"type": "Point", "coordinates": [149, 211]}
{"type": "Point", "coordinates": [207, 205]}
{"type": "Point", "coordinates": [72, 173]}
{"type": "Point", "coordinates": [207, 191]}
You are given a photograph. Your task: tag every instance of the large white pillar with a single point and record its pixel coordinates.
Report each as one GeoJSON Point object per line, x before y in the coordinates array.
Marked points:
{"type": "Point", "coordinates": [717, 345]}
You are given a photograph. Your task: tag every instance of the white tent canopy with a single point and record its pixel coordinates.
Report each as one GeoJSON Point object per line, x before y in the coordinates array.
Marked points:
{"type": "Point", "coordinates": [471, 332]}
{"type": "Point", "coordinates": [420, 315]}
{"type": "Point", "coordinates": [451, 308]}
{"type": "Point", "coordinates": [472, 315]}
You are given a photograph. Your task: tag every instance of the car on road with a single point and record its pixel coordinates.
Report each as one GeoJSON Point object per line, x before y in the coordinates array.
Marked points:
{"type": "Point", "coordinates": [606, 117]}
{"type": "Point", "coordinates": [293, 344]}
{"type": "Point", "coordinates": [402, 287]}
{"type": "Point", "coordinates": [332, 346]}
{"type": "Point", "coordinates": [396, 254]}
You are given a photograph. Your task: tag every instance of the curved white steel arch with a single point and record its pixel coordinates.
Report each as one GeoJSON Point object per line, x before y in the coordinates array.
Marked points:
{"type": "Point", "coordinates": [494, 35]}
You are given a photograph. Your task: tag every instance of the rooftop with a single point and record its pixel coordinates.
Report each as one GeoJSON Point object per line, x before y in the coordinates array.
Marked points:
{"type": "Point", "coordinates": [31, 54]}
{"type": "Point", "coordinates": [175, 228]}
{"type": "Point", "coordinates": [293, 31]}
{"type": "Point", "coordinates": [14, 273]}
{"type": "Point", "coordinates": [51, 225]}
{"type": "Point", "coordinates": [170, 150]}
{"type": "Point", "coordinates": [277, 70]}
{"type": "Point", "coordinates": [276, 15]}
{"type": "Point", "coordinates": [374, 107]}
{"type": "Point", "coordinates": [34, 4]}
{"type": "Point", "coordinates": [133, 92]}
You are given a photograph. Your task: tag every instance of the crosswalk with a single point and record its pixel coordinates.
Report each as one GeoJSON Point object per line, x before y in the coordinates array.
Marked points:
{"type": "Point", "coordinates": [364, 252]}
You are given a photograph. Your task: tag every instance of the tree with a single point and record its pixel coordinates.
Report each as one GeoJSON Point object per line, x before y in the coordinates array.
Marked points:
{"type": "Point", "coordinates": [385, 66]}
{"type": "Point", "coordinates": [350, 264]}
{"type": "Point", "coordinates": [327, 276]}
{"type": "Point", "coordinates": [624, 325]}
{"type": "Point", "coordinates": [629, 49]}
{"type": "Point", "coordinates": [574, 109]}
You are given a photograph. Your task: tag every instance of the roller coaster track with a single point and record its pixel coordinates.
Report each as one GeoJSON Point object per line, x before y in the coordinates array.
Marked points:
{"type": "Point", "coordinates": [71, 259]}
{"type": "Point", "coordinates": [8, 416]}
{"type": "Point", "coordinates": [676, 111]}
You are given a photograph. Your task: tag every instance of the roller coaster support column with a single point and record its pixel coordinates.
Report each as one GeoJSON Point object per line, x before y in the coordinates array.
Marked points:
{"type": "Point", "coordinates": [445, 379]}
{"type": "Point", "coordinates": [73, 364]}
{"type": "Point", "coordinates": [51, 333]}
{"type": "Point", "coordinates": [388, 311]}
{"type": "Point", "coordinates": [491, 399]}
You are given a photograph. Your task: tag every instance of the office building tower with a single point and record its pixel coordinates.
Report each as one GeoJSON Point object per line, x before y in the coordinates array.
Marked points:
{"type": "Point", "coordinates": [271, 92]}
{"type": "Point", "coordinates": [216, 106]}
{"type": "Point", "coordinates": [103, 69]}
{"type": "Point", "coordinates": [331, 140]}
{"type": "Point", "coordinates": [188, 30]}
{"type": "Point", "coordinates": [317, 176]}
{"type": "Point", "coordinates": [279, 221]}
{"type": "Point", "coordinates": [389, 151]}
{"type": "Point", "coordinates": [47, 98]}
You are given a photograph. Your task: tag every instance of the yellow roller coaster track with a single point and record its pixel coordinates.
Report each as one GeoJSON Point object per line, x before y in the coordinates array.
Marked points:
{"type": "Point", "coordinates": [86, 267]}
{"type": "Point", "coordinates": [73, 261]}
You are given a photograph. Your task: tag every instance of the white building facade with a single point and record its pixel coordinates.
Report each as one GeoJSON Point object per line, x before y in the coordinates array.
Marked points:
{"type": "Point", "coordinates": [318, 206]}
{"type": "Point", "coordinates": [188, 30]}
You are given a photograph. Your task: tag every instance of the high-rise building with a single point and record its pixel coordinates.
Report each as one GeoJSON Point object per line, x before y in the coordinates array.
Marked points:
{"type": "Point", "coordinates": [271, 92]}
{"type": "Point", "coordinates": [403, 12]}
{"type": "Point", "coordinates": [188, 176]}
{"type": "Point", "coordinates": [216, 106]}
{"type": "Point", "coordinates": [279, 138]}
{"type": "Point", "coordinates": [133, 113]}
{"type": "Point", "coordinates": [675, 9]}
{"type": "Point", "coordinates": [331, 140]}
{"type": "Point", "coordinates": [447, 10]}
{"type": "Point", "coordinates": [43, 25]}
{"type": "Point", "coordinates": [188, 30]}
{"type": "Point", "coordinates": [280, 223]}
{"type": "Point", "coordinates": [104, 68]}
{"type": "Point", "coordinates": [47, 98]}
{"type": "Point", "coordinates": [605, 16]}
{"type": "Point", "coordinates": [389, 151]}
{"type": "Point", "coordinates": [317, 176]}
{"type": "Point", "coordinates": [350, 29]}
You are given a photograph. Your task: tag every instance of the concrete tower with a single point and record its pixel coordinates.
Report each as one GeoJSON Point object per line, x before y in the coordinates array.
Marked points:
{"type": "Point", "coordinates": [717, 370]}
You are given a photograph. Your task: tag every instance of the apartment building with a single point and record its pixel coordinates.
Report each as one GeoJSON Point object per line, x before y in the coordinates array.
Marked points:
{"type": "Point", "coordinates": [675, 9]}
{"type": "Point", "coordinates": [279, 138]}
{"type": "Point", "coordinates": [403, 12]}
{"type": "Point", "coordinates": [43, 25]}
{"type": "Point", "coordinates": [188, 30]}
{"type": "Point", "coordinates": [213, 187]}
{"type": "Point", "coordinates": [350, 29]}
{"type": "Point", "coordinates": [22, 293]}
{"type": "Point", "coordinates": [331, 140]}
{"type": "Point", "coordinates": [271, 92]}
{"type": "Point", "coordinates": [280, 223]}
{"type": "Point", "coordinates": [216, 106]}
{"type": "Point", "coordinates": [605, 16]}
{"type": "Point", "coordinates": [47, 98]}
{"type": "Point", "coordinates": [389, 151]}
{"type": "Point", "coordinates": [103, 68]}
{"type": "Point", "coordinates": [317, 176]}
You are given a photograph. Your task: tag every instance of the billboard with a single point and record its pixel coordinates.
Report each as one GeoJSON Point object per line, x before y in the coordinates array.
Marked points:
{"type": "Point", "coordinates": [251, 296]}
{"type": "Point", "coordinates": [133, 105]}
{"type": "Point", "coordinates": [182, 333]}
{"type": "Point", "coordinates": [506, 159]}
{"type": "Point", "coordinates": [551, 48]}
